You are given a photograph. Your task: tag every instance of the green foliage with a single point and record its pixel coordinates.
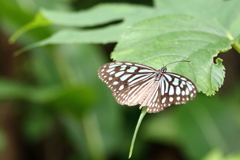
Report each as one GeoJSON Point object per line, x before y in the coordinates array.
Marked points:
{"type": "Point", "coordinates": [62, 84]}
{"type": "Point", "coordinates": [98, 15]}
{"type": "Point", "coordinates": [199, 126]}
{"type": "Point", "coordinates": [171, 38]}
{"type": "Point", "coordinates": [197, 38]}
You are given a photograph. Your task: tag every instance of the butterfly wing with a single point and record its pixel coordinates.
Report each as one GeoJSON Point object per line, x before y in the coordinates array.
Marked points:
{"type": "Point", "coordinates": [133, 83]}
{"type": "Point", "coordinates": [172, 89]}
{"type": "Point", "coordinates": [137, 93]}
{"type": "Point", "coordinates": [127, 80]}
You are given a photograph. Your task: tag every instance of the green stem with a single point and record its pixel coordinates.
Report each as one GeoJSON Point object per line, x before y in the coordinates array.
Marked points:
{"type": "Point", "coordinates": [236, 45]}
{"type": "Point", "coordinates": [143, 113]}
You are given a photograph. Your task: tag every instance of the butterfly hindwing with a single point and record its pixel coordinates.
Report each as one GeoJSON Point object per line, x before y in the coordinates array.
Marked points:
{"type": "Point", "coordinates": [172, 89]}
{"type": "Point", "coordinates": [135, 94]}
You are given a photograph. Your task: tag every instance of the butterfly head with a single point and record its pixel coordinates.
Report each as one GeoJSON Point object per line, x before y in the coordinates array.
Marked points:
{"type": "Point", "coordinates": [160, 72]}
{"type": "Point", "coordinates": [163, 69]}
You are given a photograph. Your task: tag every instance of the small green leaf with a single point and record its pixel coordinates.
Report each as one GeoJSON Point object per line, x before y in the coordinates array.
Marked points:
{"type": "Point", "coordinates": [171, 38]}
{"type": "Point", "coordinates": [39, 21]}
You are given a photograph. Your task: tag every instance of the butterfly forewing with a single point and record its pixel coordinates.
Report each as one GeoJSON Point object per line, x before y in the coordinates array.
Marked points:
{"type": "Point", "coordinates": [133, 83]}
{"type": "Point", "coordinates": [120, 75]}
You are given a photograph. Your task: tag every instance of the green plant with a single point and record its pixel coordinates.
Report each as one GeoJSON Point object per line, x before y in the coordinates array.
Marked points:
{"type": "Point", "coordinates": [173, 30]}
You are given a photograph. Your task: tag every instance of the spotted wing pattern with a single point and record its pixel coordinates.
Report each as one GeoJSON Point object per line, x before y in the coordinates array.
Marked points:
{"type": "Point", "coordinates": [133, 83]}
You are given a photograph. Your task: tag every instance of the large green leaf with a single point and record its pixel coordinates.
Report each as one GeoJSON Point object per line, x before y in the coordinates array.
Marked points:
{"type": "Point", "coordinates": [172, 38]}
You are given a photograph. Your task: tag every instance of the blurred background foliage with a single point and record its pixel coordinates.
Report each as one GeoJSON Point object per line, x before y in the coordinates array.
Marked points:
{"type": "Point", "coordinates": [54, 107]}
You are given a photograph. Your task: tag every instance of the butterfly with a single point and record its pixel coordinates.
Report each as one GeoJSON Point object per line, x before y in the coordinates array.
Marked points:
{"type": "Point", "coordinates": [133, 83]}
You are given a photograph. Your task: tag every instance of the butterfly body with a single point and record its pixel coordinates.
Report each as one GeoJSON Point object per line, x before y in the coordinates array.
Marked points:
{"type": "Point", "coordinates": [134, 83]}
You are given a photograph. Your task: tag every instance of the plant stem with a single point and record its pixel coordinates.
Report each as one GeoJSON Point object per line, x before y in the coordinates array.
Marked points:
{"type": "Point", "coordinates": [143, 113]}
{"type": "Point", "coordinates": [236, 45]}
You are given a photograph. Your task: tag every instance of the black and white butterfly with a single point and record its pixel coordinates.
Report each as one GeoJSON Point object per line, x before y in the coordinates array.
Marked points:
{"type": "Point", "coordinates": [134, 83]}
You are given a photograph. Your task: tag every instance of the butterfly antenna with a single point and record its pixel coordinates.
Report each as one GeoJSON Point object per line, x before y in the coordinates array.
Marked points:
{"type": "Point", "coordinates": [177, 62]}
